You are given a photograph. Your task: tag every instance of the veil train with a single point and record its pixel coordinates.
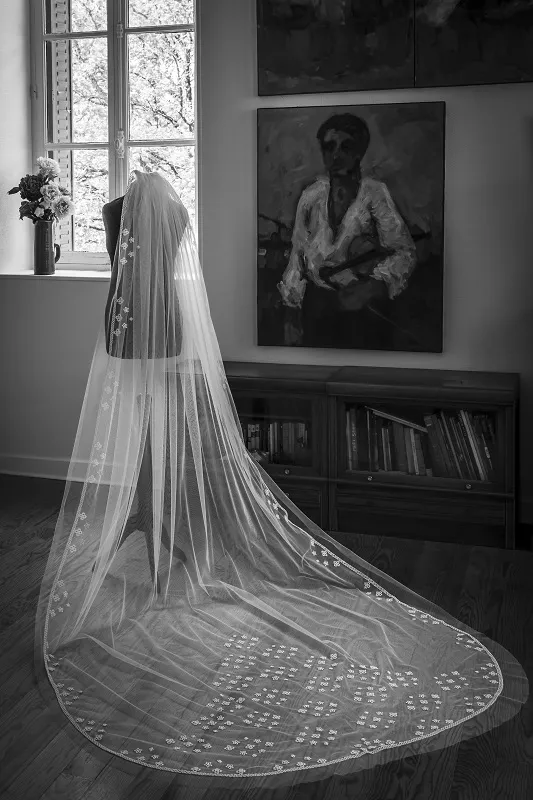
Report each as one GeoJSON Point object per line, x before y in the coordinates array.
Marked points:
{"type": "Point", "coordinates": [191, 618]}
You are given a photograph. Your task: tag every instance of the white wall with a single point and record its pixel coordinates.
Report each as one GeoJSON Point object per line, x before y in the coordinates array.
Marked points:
{"type": "Point", "coordinates": [15, 134]}
{"type": "Point", "coordinates": [48, 329]}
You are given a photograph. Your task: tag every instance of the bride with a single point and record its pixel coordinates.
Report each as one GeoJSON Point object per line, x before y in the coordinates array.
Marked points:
{"type": "Point", "coordinates": [191, 618]}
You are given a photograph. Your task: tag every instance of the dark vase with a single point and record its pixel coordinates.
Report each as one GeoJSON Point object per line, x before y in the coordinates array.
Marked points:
{"type": "Point", "coordinates": [45, 252]}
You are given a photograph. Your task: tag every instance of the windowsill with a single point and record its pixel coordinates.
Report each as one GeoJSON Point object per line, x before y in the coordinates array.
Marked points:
{"type": "Point", "coordinates": [62, 274]}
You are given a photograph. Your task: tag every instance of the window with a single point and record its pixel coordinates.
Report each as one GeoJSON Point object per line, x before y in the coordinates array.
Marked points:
{"type": "Point", "coordinates": [113, 89]}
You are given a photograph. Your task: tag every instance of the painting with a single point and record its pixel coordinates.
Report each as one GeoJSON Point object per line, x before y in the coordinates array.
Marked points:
{"type": "Point", "coordinates": [308, 46]}
{"type": "Point", "coordinates": [334, 45]}
{"type": "Point", "coordinates": [469, 42]}
{"type": "Point", "coordinates": [350, 226]}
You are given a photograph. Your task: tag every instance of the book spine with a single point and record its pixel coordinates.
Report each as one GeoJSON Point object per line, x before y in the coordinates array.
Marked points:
{"type": "Point", "coordinates": [354, 439]}
{"type": "Point", "coordinates": [426, 456]}
{"type": "Point", "coordinates": [374, 452]}
{"type": "Point", "coordinates": [474, 444]}
{"type": "Point", "coordinates": [419, 453]}
{"type": "Point", "coordinates": [349, 438]}
{"type": "Point", "coordinates": [393, 418]}
{"type": "Point", "coordinates": [285, 439]}
{"type": "Point", "coordinates": [449, 445]}
{"type": "Point", "coordinates": [409, 451]}
{"type": "Point", "coordinates": [413, 450]}
{"type": "Point", "coordinates": [457, 444]}
{"type": "Point", "coordinates": [399, 447]}
{"type": "Point", "coordinates": [364, 449]}
{"type": "Point", "coordinates": [387, 450]}
{"type": "Point", "coordinates": [444, 446]}
{"type": "Point", "coordinates": [298, 443]}
{"type": "Point", "coordinates": [436, 456]}
{"type": "Point", "coordinates": [484, 444]}
{"type": "Point", "coordinates": [378, 425]}
{"type": "Point", "coordinates": [466, 449]}
{"type": "Point", "coordinates": [370, 434]}
{"type": "Point", "coordinates": [292, 439]}
{"type": "Point", "coordinates": [490, 428]}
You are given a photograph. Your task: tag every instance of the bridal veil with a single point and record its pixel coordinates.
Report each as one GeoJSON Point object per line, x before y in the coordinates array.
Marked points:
{"type": "Point", "coordinates": [191, 618]}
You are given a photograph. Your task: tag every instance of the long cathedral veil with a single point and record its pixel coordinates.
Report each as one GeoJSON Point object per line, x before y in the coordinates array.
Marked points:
{"type": "Point", "coordinates": [191, 617]}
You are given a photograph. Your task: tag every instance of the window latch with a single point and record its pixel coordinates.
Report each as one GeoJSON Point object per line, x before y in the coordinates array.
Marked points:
{"type": "Point", "coordinates": [119, 144]}
{"type": "Point", "coordinates": [120, 30]}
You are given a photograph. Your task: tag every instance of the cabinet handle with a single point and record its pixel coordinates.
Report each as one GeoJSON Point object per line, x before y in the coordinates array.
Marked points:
{"type": "Point", "coordinates": [369, 478]}
{"type": "Point", "coordinates": [287, 471]}
{"type": "Point", "coordinates": [468, 485]}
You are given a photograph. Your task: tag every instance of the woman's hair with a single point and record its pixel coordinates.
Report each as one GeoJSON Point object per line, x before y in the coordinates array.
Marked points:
{"type": "Point", "coordinates": [347, 123]}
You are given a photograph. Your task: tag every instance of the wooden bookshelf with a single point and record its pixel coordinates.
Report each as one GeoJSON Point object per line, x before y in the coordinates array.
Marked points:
{"type": "Point", "coordinates": [427, 454]}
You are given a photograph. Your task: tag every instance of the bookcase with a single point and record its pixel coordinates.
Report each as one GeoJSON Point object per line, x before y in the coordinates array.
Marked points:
{"type": "Point", "coordinates": [427, 454]}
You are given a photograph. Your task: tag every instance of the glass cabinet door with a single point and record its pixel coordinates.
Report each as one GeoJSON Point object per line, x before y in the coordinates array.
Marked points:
{"type": "Point", "coordinates": [279, 431]}
{"type": "Point", "coordinates": [396, 440]}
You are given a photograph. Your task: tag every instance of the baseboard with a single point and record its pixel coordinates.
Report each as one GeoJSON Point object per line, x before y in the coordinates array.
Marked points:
{"type": "Point", "coordinates": [34, 466]}
{"type": "Point", "coordinates": [52, 468]}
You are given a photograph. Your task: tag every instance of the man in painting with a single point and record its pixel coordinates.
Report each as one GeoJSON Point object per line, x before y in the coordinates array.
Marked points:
{"type": "Point", "coordinates": [352, 252]}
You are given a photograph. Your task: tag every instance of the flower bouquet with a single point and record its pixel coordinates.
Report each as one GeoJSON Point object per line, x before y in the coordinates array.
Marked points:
{"type": "Point", "coordinates": [44, 202]}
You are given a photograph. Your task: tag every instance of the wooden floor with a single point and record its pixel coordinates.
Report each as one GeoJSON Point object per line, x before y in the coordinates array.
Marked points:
{"type": "Point", "coordinates": [492, 590]}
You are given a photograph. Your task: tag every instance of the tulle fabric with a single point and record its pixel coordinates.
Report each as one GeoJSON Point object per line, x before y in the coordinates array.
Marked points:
{"type": "Point", "coordinates": [228, 636]}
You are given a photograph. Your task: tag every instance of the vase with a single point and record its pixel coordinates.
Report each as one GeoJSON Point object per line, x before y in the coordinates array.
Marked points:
{"type": "Point", "coordinates": [45, 252]}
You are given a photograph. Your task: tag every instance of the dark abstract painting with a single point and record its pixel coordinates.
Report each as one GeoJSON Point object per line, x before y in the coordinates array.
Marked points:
{"type": "Point", "coordinates": [350, 226]}
{"type": "Point", "coordinates": [355, 45]}
{"type": "Point", "coordinates": [334, 45]}
{"type": "Point", "coordinates": [468, 42]}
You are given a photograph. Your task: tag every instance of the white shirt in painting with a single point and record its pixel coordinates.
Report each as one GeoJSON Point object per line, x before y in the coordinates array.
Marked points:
{"type": "Point", "coordinates": [372, 213]}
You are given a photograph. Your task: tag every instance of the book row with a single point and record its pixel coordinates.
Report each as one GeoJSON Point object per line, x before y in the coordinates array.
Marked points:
{"type": "Point", "coordinates": [281, 441]}
{"type": "Point", "coordinates": [450, 444]}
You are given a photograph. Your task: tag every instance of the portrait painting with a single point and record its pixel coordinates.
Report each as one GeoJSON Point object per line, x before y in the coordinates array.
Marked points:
{"type": "Point", "coordinates": [350, 226]}
{"type": "Point", "coordinates": [308, 46]}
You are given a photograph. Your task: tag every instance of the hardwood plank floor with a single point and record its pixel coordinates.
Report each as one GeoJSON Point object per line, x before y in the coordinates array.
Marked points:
{"type": "Point", "coordinates": [491, 590]}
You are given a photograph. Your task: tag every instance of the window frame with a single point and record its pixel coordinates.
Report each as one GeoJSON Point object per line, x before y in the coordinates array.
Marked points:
{"type": "Point", "coordinates": [118, 101]}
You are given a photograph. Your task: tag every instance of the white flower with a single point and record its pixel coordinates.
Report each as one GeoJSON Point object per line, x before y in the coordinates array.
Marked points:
{"type": "Point", "coordinates": [39, 211]}
{"type": "Point", "coordinates": [50, 191]}
{"type": "Point", "coordinates": [49, 167]}
{"type": "Point", "coordinates": [62, 207]}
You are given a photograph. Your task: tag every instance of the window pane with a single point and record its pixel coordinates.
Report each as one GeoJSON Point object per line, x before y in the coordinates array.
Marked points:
{"type": "Point", "coordinates": [161, 73]}
{"type": "Point", "coordinates": [160, 12]}
{"type": "Point", "coordinates": [85, 174]}
{"type": "Point", "coordinates": [77, 90]}
{"type": "Point", "coordinates": [176, 164]}
{"type": "Point", "coordinates": [66, 16]}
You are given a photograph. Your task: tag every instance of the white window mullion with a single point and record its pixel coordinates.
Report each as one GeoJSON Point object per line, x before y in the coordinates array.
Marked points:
{"type": "Point", "coordinates": [116, 16]}
{"type": "Point", "coordinates": [38, 81]}
{"type": "Point", "coordinates": [124, 5]}
{"type": "Point", "coordinates": [112, 90]}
